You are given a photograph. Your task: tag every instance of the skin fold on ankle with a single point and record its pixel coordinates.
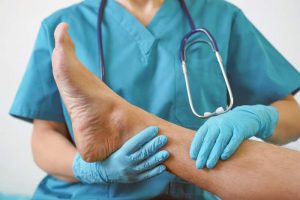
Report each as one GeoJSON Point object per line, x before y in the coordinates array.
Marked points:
{"type": "Point", "coordinates": [256, 171]}
{"type": "Point", "coordinates": [103, 121]}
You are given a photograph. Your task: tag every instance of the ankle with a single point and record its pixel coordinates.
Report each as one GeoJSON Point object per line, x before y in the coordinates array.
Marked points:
{"type": "Point", "coordinates": [127, 120]}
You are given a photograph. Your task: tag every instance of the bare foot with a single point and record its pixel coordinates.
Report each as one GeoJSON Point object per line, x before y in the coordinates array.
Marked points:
{"type": "Point", "coordinates": [99, 117]}
{"type": "Point", "coordinates": [91, 104]}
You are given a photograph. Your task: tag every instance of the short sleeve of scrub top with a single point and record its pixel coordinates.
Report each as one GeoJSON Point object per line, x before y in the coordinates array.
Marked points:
{"type": "Point", "coordinates": [38, 96]}
{"type": "Point", "coordinates": [258, 73]}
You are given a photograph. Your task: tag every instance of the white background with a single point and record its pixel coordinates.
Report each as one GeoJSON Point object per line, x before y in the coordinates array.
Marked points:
{"type": "Point", "coordinates": [278, 20]}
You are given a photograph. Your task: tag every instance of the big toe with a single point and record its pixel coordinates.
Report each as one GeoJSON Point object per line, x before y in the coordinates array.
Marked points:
{"type": "Point", "coordinates": [62, 38]}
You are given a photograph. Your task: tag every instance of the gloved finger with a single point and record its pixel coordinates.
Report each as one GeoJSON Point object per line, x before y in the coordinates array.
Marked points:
{"type": "Point", "coordinates": [220, 145]}
{"type": "Point", "coordinates": [152, 162]}
{"type": "Point", "coordinates": [139, 140]}
{"type": "Point", "coordinates": [197, 142]}
{"type": "Point", "coordinates": [233, 145]}
{"type": "Point", "coordinates": [149, 149]}
{"type": "Point", "coordinates": [150, 173]}
{"type": "Point", "coordinates": [208, 143]}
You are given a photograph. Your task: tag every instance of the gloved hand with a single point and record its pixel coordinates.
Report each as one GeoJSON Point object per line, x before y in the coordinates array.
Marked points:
{"type": "Point", "coordinates": [220, 136]}
{"type": "Point", "coordinates": [138, 159]}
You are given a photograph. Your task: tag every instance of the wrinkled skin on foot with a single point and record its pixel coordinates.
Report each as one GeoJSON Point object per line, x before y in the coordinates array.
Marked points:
{"type": "Point", "coordinates": [97, 129]}
{"type": "Point", "coordinates": [99, 119]}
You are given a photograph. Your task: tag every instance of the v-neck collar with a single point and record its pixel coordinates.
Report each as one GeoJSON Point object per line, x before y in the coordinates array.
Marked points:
{"type": "Point", "coordinates": [145, 36]}
{"type": "Point", "coordinates": [167, 12]}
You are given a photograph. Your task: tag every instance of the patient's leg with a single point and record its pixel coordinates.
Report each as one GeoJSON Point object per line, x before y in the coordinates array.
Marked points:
{"type": "Point", "coordinates": [103, 121]}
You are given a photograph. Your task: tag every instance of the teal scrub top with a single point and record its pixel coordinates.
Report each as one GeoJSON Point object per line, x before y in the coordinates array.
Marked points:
{"type": "Point", "coordinates": [143, 66]}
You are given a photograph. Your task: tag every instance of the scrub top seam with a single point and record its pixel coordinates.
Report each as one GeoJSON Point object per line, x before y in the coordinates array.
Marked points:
{"type": "Point", "coordinates": [159, 27]}
{"type": "Point", "coordinates": [135, 37]}
{"type": "Point", "coordinates": [31, 114]}
{"type": "Point", "coordinates": [143, 36]}
{"type": "Point", "coordinates": [51, 188]}
{"type": "Point", "coordinates": [228, 51]}
{"type": "Point", "coordinates": [164, 24]}
{"type": "Point", "coordinates": [45, 28]}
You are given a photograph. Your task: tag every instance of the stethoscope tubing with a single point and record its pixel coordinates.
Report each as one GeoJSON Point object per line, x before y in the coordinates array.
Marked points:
{"type": "Point", "coordinates": [182, 57]}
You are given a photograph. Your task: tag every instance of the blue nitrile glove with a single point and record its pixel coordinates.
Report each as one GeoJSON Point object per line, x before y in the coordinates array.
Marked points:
{"type": "Point", "coordinates": [138, 159]}
{"type": "Point", "coordinates": [220, 136]}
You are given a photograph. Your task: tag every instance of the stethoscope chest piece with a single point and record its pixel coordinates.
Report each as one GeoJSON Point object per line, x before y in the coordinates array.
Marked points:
{"type": "Point", "coordinates": [185, 45]}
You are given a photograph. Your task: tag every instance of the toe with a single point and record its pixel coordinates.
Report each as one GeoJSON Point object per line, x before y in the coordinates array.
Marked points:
{"type": "Point", "coordinates": [62, 38]}
{"type": "Point", "coordinates": [60, 34]}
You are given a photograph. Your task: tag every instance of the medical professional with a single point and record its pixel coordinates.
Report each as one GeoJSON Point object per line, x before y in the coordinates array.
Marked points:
{"type": "Point", "coordinates": [141, 42]}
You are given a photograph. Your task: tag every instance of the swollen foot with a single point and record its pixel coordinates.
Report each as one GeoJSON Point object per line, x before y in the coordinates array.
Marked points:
{"type": "Point", "coordinates": [97, 128]}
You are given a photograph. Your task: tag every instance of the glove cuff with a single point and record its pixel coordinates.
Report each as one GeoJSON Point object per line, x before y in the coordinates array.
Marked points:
{"type": "Point", "coordinates": [267, 117]}
{"type": "Point", "coordinates": [88, 173]}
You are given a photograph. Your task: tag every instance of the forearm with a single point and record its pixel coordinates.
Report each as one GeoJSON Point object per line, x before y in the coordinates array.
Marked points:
{"type": "Point", "coordinates": [52, 151]}
{"type": "Point", "coordinates": [261, 167]}
{"type": "Point", "coordinates": [288, 126]}
{"type": "Point", "coordinates": [102, 122]}
{"type": "Point", "coordinates": [256, 171]}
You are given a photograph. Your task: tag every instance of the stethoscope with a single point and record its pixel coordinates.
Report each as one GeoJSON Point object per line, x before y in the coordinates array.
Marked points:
{"type": "Point", "coordinates": [183, 58]}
